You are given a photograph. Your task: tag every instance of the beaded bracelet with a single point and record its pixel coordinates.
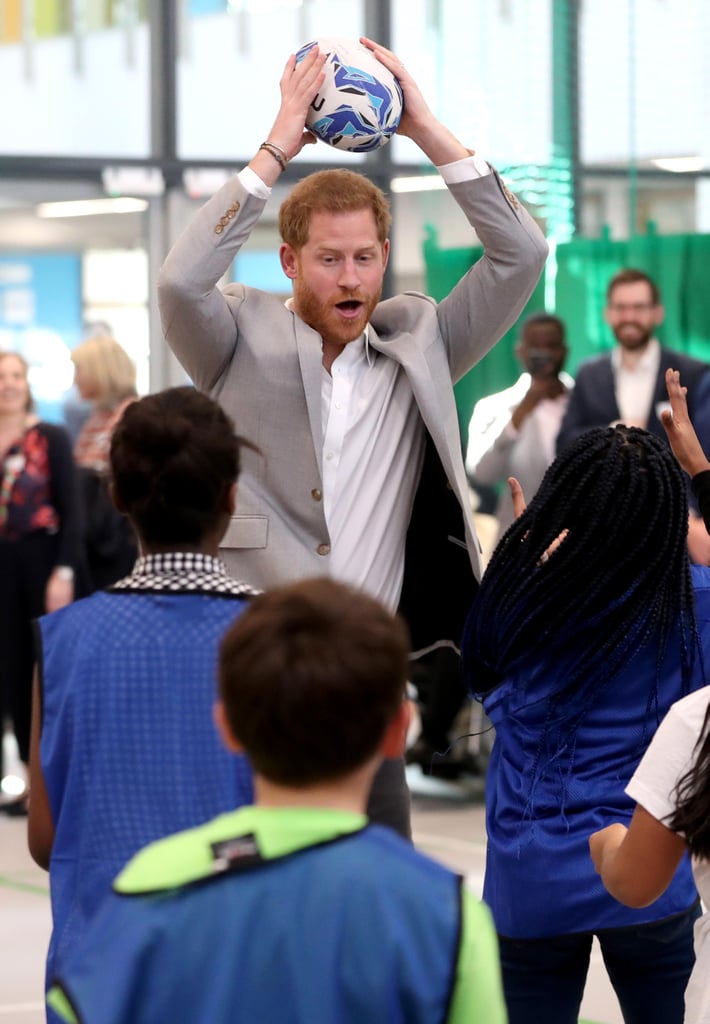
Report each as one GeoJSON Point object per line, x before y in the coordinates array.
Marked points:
{"type": "Point", "coordinates": [276, 152]}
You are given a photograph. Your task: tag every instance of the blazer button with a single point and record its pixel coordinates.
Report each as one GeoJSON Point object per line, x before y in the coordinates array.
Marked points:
{"type": "Point", "coordinates": [324, 549]}
{"type": "Point", "coordinates": [316, 494]}
{"type": "Point", "coordinates": [218, 229]}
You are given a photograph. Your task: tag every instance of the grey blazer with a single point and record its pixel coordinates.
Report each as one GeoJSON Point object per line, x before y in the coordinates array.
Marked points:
{"type": "Point", "coordinates": [245, 348]}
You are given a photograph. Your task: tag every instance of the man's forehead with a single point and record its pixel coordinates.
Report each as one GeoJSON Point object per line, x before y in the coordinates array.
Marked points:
{"type": "Point", "coordinates": [347, 224]}
{"type": "Point", "coordinates": [630, 290]}
{"type": "Point", "coordinates": [542, 334]}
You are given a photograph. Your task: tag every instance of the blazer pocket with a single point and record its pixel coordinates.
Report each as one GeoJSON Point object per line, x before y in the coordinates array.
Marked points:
{"type": "Point", "coordinates": [246, 532]}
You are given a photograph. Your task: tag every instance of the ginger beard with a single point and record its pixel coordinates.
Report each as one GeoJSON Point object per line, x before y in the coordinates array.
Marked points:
{"type": "Point", "coordinates": [335, 325]}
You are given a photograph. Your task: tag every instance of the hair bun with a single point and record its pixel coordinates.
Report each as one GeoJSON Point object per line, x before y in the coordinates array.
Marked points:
{"type": "Point", "coordinates": [166, 438]}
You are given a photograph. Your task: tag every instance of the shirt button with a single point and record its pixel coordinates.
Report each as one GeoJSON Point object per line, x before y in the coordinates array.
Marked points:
{"type": "Point", "coordinates": [316, 494]}
{"type": "Point", "coordinates": [324, 549]}
{"type": "Point", "coordinates": [329, 456]}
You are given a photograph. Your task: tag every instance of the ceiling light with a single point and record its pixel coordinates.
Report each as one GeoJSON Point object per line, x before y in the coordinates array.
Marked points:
{"type": "Point", "coordinates": [680, 164]}
{"type": "Point", "coordinates": [91, 207]}
{"type": "Point", "coordinates": [420, 183]}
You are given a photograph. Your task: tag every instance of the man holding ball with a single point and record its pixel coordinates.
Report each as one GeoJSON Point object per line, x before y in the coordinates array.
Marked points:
{"type": "Point", "coordinates": [350, 399]}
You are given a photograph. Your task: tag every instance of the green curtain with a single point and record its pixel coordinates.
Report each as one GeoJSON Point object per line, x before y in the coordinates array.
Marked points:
{"type": "Point", "coordinates": [499, 369]}
{"type": "Point", "coordinates": [679, 264]}
{"type": "Point", "coordinates": [575, 282]}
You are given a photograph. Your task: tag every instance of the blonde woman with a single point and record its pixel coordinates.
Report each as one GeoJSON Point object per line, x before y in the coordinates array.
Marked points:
{"type": "Point", "coordinates": [105, 375]}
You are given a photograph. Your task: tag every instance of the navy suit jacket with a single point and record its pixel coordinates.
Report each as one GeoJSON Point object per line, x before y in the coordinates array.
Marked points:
{"type": "Point", "coordinates": [593, 400]}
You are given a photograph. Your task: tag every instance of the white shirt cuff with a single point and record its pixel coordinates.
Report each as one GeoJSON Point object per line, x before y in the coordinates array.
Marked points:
{"type": "Point", "coordinates": [468, 169]}
{"type": "Point", "coordinates": [253, 183]}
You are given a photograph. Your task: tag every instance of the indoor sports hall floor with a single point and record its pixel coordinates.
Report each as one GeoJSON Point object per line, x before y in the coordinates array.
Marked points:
{"type": "Point", "coordinates": [448, 824]}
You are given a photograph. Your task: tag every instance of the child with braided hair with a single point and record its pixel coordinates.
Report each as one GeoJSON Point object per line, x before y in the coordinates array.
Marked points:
{"type": "Point", "coordinates": [589, 623]}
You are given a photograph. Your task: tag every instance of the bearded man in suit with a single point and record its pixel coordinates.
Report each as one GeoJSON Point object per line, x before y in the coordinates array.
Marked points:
{"type": "Point", "coordinates": [349, 399]}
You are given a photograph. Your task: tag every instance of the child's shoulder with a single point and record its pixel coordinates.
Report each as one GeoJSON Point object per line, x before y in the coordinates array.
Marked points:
{"type": "Point", "coordinates": [388, 845]}
{"type": "Point", "coordinates": [177, 860]}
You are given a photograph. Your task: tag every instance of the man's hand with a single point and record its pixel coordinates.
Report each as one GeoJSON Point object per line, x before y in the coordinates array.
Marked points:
{"type": "Point", "coordinates": [418, 122]}
{"type": "Point", "coordinates": [681, 433]}
{"type": "Point", "coordinates": [299, 84]}
{"type": "Point", "coordinates": [540, 389]}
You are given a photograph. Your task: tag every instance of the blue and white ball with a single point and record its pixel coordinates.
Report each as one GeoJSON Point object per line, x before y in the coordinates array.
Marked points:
{"type": "Point", "coordinates": [359, 105]}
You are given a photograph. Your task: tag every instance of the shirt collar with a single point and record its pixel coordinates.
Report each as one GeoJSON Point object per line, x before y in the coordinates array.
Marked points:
{"type": "Point", "coordinates": [363, 342]}
{"type": "Point", "coordinates": [181, 572]}
{"type": "Point", "coordinates": [358, 350]}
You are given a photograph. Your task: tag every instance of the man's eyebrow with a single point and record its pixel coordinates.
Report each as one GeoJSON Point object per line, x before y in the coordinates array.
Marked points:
{"type": "Point", "coordinates": [368, 247]}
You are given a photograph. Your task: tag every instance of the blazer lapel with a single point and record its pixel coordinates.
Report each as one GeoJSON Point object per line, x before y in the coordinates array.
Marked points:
{"type": "Point", "coordinates": [310, 357]}
{"type": "Point", "coordinates": [437, 405]}
{"type": "Point", "coordinates": [605, 384]}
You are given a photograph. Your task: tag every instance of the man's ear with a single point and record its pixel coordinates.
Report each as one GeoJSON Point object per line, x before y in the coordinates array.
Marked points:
{"type": "Point", "coordinates": [385, 252]}
{"type": "Point", "coordinates": [289, 260]}
{"type": "Point", "coordinates": [224, 728]}
{"type": "Point", "coordinates": [659, 313]}
{"type": "Point", "coordinates": [395, 737]}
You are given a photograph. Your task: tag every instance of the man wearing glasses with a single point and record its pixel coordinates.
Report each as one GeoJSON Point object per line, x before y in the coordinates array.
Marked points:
{"type": "Point", "coordinates": [627, 385]}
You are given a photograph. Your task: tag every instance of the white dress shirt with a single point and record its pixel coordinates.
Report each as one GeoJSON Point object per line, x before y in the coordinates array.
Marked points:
{"type": "Point", "coordinates": [635, 388]}
{"type": "Point", "coordinates": [373, 447]}
{"type": "Point", "coordinates": [497, 450]}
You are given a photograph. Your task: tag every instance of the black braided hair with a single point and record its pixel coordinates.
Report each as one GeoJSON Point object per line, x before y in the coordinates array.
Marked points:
{"type": "Point", "coordinates": [619, 580]}
{"type": "Point", "coordinates": [174, 458]}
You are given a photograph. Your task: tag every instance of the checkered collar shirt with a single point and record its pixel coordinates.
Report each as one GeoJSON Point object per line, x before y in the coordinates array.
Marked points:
{"type": "Point", "coordinates": [181, 572]}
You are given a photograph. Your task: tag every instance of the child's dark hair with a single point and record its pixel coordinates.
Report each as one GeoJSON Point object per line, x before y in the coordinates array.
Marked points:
{"type": "Point", "coordinates": [310, 675]}
{"type": "Point", "coordinates": [619, 580]}
{"type": "Point", "coordinates": [174, 457]}
{"type": "Point", "coordinates": [692, 813]}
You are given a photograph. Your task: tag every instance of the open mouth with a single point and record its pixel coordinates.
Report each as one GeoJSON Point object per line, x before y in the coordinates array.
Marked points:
{"type": "Point", "coordinates": [349, 308]}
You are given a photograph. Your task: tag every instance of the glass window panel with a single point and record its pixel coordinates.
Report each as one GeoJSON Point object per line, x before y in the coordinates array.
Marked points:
{"type": "Point", "coordinates": [484, 66]}
{"type": "Point", "coordinates": [230, 65]}
{"type": "Point", "coordinates": [83, 96]}
{"type": "Point", "coordinates": [635, 107]}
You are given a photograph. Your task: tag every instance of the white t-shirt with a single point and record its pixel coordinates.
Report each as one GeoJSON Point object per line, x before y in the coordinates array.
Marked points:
{"type": "Point", "coordinates": [667, 759]}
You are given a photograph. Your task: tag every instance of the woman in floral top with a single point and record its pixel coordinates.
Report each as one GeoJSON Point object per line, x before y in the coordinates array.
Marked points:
{"type": "Point", "coordinates": [39, 537]}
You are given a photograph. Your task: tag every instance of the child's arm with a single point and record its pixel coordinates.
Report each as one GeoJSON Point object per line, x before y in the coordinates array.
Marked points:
{"type": "Point", "coordinates": [40, 826]}
{"type": "Point", "coordinates": [681, 433]}
{"type": "Point", "coordinates": [636, 864]}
